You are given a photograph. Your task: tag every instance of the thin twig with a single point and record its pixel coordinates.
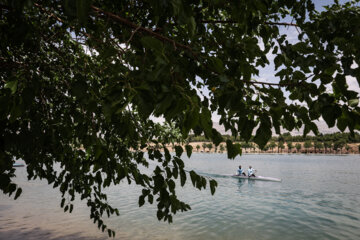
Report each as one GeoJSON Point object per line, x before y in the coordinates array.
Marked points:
{"type": "Point", "coordinates": [132, 35]}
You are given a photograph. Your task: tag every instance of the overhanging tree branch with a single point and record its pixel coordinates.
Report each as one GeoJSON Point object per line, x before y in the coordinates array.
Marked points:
{"type": "Point", "coordinates": [139, 28]}
{"type": "Point", "coordinates": [166, 39]}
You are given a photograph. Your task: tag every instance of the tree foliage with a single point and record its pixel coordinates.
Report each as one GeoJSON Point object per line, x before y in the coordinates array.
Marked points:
{"type": "Point", "coordinates": [197, 147]}
{"type": "Point", "coordinates": [80, 80]}
{"type": "Point", "coordinates": [348, 137]}
{"type": "Point", "coordinates": [281, 146]}
{"type": "Point", "coordinates": [289, 146]}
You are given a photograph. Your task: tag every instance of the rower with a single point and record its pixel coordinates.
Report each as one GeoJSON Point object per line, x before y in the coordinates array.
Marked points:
{"type": "Point", "coordinates": [251, 172]}
{"type": "Point", "coordinates": [240, 171]}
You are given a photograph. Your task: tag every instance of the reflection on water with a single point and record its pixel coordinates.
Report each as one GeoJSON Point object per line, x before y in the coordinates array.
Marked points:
{"type": "Point", "coordinates": [242, 182]}
{"type": "Point", "coordinates": [319, 198]}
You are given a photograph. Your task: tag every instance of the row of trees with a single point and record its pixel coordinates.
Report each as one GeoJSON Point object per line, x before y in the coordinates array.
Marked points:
{"type": "Point", "coordinates": [290, 147]}
{"type": "Point", "coordinates": [221, 148]}
{"type": "Point", "coordinates": [287, 137]}
{"type": "Point", "coordinates": [313, 147]}
{"type": "Point", "coordinates": [332, 137]}
{"type": "Point", "coordinates": [327, 143]}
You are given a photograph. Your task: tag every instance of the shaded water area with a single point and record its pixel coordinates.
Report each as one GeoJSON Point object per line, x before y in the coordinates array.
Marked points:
{"type": "Point", "coordinates": [319, 198]}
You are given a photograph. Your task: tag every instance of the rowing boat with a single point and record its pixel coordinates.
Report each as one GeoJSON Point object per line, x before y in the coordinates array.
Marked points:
{"type": "Point", "coordinates": [18, 165]}
{"type": "Point", "coordinates": [261, 178]}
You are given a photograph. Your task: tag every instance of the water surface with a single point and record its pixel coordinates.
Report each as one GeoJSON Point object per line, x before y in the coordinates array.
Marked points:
{"type": "Point", "coordinates": [319, 198]}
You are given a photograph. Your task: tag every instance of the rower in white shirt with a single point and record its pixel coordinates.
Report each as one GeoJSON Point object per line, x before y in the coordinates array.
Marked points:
{"type": "Point", "coordinates": [251, 172]}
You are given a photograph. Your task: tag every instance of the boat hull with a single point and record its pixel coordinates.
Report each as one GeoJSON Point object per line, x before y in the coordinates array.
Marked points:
{"type": "Point", "coordinates": [18, 165]}
{"type": "Point", "coordinates": [260, 178]}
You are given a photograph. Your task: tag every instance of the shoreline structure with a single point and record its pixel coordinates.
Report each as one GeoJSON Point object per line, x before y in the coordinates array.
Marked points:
{"type": "Point", "coordinates": [353, 148]}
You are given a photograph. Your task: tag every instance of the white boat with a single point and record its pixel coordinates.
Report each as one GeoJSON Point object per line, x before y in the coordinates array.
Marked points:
{"type": "Point", "coordinates": [18, 165]}
{"type": "Point", "coordinates": [261, 178]}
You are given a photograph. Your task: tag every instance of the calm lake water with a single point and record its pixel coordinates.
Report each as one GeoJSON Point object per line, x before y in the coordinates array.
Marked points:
{"type": "Point", "coordinates": [319, 198]}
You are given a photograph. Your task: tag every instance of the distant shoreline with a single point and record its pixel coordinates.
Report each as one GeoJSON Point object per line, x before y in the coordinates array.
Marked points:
{"type": "Point", "coordinates": [353, 148]}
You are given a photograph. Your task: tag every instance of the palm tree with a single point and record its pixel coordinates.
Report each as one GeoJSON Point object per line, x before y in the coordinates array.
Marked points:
{"type": "Point", "coordinates": [307, 145]}
{"type": "Point", "coordinates": [197, 147]}
{"type": "Point", "coordinates": [290, 146]}
{"type": "Point", "coordinates": [272, 145]}
{"type": "Point", "coordinates": [204, 146]}
{"type": "Point", "coordinates": [281, 146]}
{"type": "Point", "coordinates": [347, 147]}
{"type": "Point", "coordinates": [339, 144]}
{"type": "Point", "coordinates": [317, 145]}
{"type": "Point", "coordinates": [209, 146]}
{"type": "Point", "coordinates": [327, 145]}
{"type": "Point", "coordinates": [298, 147]}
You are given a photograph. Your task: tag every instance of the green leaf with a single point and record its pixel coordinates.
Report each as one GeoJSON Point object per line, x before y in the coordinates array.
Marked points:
{"type": "Point", "coordinates": [263, 133]}
{"type": "Point", "coordinates": [223, 78]}
{"type": "Point", "coordinates": [353, 102]}
{"type": "Point", "coordinates": [141, 200]}
{"type": "Point", "coordinates": [189, 149]}
{"type": "Point", "coordinates": [152, 43]}
{"type": "Point", "coordinates": [301, 47]}
{"type": "Point", "coordinates": [159, 215]}
{"type": "Point", "coordinates": [62, 202]}
{"type": "Point", "coordinates": [278, 60]}
{"type": "Point", "coordinates": [193, 177]}
{"type": "Point", "coordinates": [18, 193]}
{"type": "Point", "coordinates": [182, 177]}
{"type": "Point", "coordinates": [71, 208]}
{"type": "Point", "coordinates": [171, 185]}
{"type": "Point", "coordinates": [216, 137]}
{"type": "Point", "coordinates": [150, 198]}
{"type": "Point", "coordinates": [232, 149]}
{"type": "Point", "coordinates": [217, 65]}
{"type": "Point", "coordinates": [342, 123]}
{"type": "Point", "coordinates": [330, 114]}
{"type": "Point", "coordinates": [11, 188]}
{"type": "Point", "coordinates": [213, 185]}
{"type": "Point", "coordinates": [289, 122]}
{"type": "Point", "coordinates": [340, 85]}
{"type": "Point", "coordinates": [246, 127]}
{"type": "Point", "coordinates": [179, 150]}
{"type": "Point", "coordinates": [191, 25]}
{"type": "Point", "coordinates": [12, 86]}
